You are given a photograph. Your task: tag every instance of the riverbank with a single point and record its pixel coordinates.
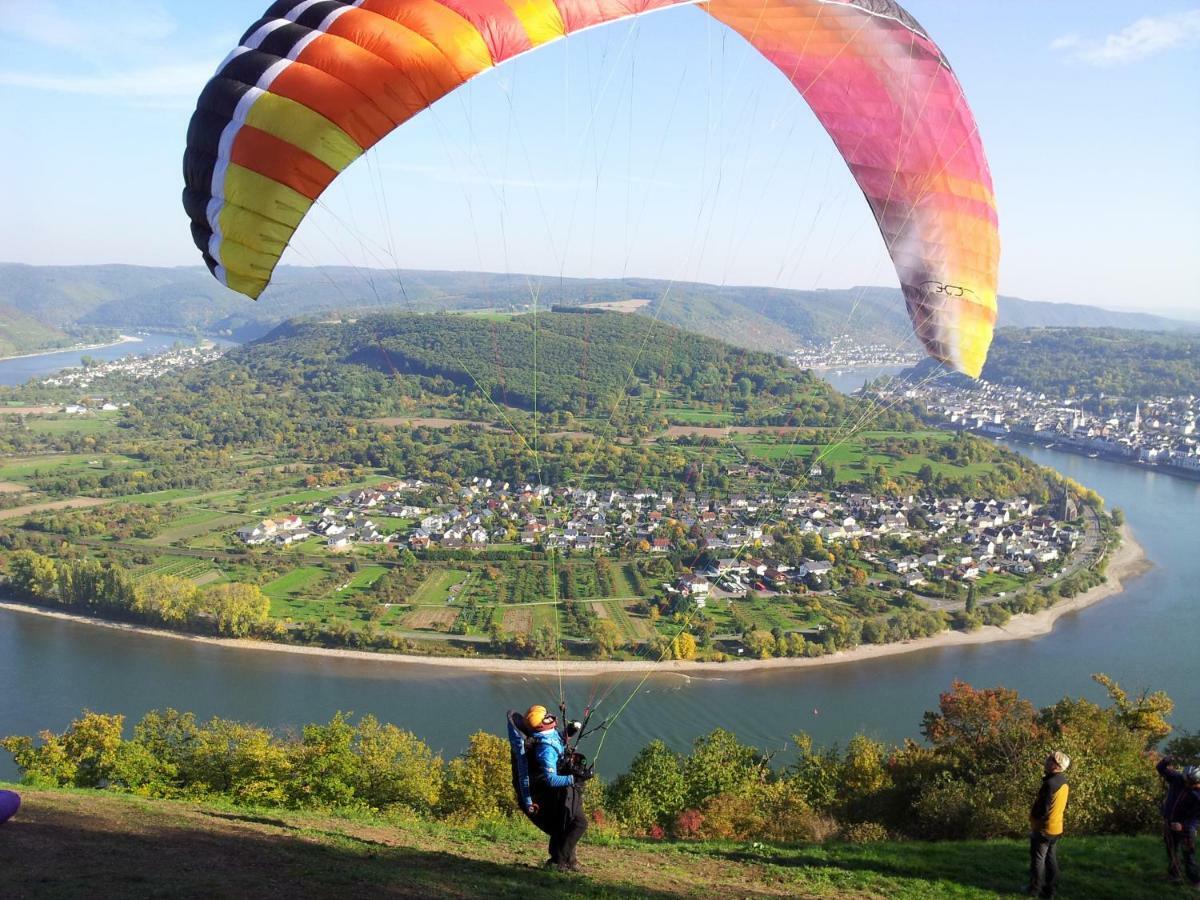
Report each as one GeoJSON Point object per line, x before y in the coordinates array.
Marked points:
{"type": "Point", "coordinates": [1126, 563]}
{"type": "Point", "coordinates": [82, 348]}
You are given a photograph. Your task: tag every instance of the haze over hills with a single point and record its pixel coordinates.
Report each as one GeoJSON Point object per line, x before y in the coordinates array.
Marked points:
{"type": "Point", "coordinates": [187, 298]}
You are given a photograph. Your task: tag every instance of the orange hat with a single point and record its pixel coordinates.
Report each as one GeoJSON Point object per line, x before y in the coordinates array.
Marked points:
{"type": "Point", "coordinates": [535, 715]}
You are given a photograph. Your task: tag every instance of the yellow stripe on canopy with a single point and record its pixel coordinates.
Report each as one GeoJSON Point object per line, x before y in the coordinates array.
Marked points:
{"type": "Point", "coordinates": [297, 124]}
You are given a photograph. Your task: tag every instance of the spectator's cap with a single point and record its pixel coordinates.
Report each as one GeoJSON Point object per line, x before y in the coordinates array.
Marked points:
{"type": "Point", "coordinates": [1192, 774]}
{"type": "Point", "coordinates": [536, 716]}
{"type": "Point", "coordinates": [1061, 760]}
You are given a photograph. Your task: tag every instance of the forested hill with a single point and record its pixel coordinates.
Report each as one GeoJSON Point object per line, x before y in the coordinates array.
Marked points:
{"type": "Point", "coordinates": [1076, 362]}
{"type": "Point", "coordinates": [136, 297]}
{"type": "Point", "coordinates": [577, 362]}
{"type": "Point", "coordinates": [21, 333]}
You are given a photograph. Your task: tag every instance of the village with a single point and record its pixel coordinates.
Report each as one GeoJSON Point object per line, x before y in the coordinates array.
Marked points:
{"type": "Point", "coordinates": [735, 545]}
{"type": "Point", "coordinates": [138, 368]}
{"type": "Point", "coordinates": [848, 353]}
{"type": "Point", "coordinates": [1159, 431]}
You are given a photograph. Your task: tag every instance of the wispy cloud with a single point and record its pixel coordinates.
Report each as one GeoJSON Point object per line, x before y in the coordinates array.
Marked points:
{"type": "Point", "coordinates": [1146, 37]}
{"type": "Point", "coordinates": [132, 50]}
{"type": "Point", "coordinates": [86, 27]}
{"type": "Point", "coordinates": [157, 82]}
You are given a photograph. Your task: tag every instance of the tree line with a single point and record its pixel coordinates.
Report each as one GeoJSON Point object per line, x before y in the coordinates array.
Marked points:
{"type": "Point", "coordinates": [971, 777]}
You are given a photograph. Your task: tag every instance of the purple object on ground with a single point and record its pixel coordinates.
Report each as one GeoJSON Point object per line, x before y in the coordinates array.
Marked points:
{"type": "Point", "coordinates": [9, 804]}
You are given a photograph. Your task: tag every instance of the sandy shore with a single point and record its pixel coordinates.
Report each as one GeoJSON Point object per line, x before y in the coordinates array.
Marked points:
{"type": "Point", "coordinates": [1127, 562]}
{"type": "Point", "coordinates": [83, 348]}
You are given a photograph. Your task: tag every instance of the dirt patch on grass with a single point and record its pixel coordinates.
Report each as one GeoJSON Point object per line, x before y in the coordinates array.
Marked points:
{"type": "Point", "coordinates": [428, 422]}
{"type": "Point", "coordinates": [621, 306]}
{"type": "Point", "coordinates": [11, 487]}
{"type": "Point", "coordinates": [78, 503]}
{"type": "Point", "coordinates": [29, 410]}
{"type": "Point", "coordinates": [431, 618]}
{"type": "Point", "coordinates": [721, 431]}
{"type": "Point", "coordinates": [518, 621]}
{"type": "Point", "coordinates": [600, 608]}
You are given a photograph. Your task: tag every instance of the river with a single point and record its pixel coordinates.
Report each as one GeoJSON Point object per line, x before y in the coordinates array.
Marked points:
{"type": "Point", "coordinates": [21, 369]}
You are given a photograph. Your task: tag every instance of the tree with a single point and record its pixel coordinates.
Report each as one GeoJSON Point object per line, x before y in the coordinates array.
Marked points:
{"type": "Point", "coordinates": [684, 646]}
{"type": "Point", "coordinates": [479, 783]}
{"type": "Point", "coordinates": [236, 609]}
{"type": "Point", "coordinates": [33, 575]}
{"type": "Point", "coordinates": [651, 792]}
{"type": "Point", "coordinates": [166, 598]}
{"type": "Point", "coordinates": [719, 764]}
{"type": "Point", "coordinates": [606, 637]}
{"type": "Point", "coordinates": [761, 644]}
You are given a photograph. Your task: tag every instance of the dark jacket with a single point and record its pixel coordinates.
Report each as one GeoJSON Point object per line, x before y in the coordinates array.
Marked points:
{"type": "Point", "coordinates": [1182, 803]}
{"type": "Point", "coordinates": [1046, 816]}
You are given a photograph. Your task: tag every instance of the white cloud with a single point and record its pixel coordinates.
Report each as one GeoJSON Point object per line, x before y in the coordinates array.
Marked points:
{"type": "Point", "coordinates": [1146, 37]}
{"type": "Point", "coordinates": [132, 50]}
{"type": "Point", "coordinates": [85, 27]}
{"type": "Point", "coordinates": [157, 82]}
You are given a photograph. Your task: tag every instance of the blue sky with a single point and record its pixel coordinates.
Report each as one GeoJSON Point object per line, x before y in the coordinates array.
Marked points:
{"type": "Point", "coordinates": [660, 148]}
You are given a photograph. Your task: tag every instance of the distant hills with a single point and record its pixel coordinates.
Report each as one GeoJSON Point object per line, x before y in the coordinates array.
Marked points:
{"type": "Point", "coordinates": [188, 298]}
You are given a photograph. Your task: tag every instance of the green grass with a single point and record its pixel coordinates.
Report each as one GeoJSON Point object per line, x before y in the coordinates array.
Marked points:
{"type": "Point", "coordinates": [177, 566]}
{"type": "Point", "coordinates": [691, 416]}
{"type": "Point", "coordinates": [155, 497]}
{"type": "Point", "coordinates": [314, 495]}
{"type": "Point", "coordinates": [99, 423]}
{"type": "Point", "coordinates": [436, 588]}
{"type": "Point", "coordinates": [197, 524]}
{"type": "Point", "coordinates": [295, 582]}
{"type": "Point", "coordinates": [362, 581]}
{"type": "Point", "coordinates": [26, 467]}
{"type": "Point", "coordinates": [65, 844]}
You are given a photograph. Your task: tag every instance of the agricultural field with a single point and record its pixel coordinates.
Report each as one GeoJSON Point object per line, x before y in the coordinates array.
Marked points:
{"type": "Point", "coordinates": [431, 618]}
{"type": "Point", "coordinates": [689, 415]}
{"type": "Point", "coordinates": [362, 582]}
{"type": "Point", "coordinates": [98, 423]}
{"type": "Point", "coordinates": [195, 524]}
{"type": "Point", "coordinates": [23, 468]}
{"type": "Point", "coordinates": [297, 583]}
{"type": "Point", "coordinates": [437, 588]}
{"type": "Point", "coordinates": [177, 567]}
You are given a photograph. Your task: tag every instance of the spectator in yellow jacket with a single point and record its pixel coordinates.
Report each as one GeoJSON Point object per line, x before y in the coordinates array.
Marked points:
{"type": "Point", "coordinates": [1046, 825]}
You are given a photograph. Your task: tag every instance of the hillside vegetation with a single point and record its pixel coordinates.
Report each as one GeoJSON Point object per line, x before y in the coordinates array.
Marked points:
{"type": "Point", "coordinates": [83, 843]}
{"type": "Point", "coordinates": [1078, 362]}
{"type": "Point", "coordinates": [754, 317]}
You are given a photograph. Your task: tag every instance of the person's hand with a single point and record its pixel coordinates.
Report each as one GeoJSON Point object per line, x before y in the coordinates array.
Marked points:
{"type": "Point", "coordinates": [532, 809]}
{"type": "Point", "coordinates": [1177, 826]}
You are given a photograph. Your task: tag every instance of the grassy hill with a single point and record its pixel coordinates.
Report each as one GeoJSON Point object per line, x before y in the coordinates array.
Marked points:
{"type": "Point", "coordinates": [756, 317]}
{"type": "Point", "coordinates": [67, 844]}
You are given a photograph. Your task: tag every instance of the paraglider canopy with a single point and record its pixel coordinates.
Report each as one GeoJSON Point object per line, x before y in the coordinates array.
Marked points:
{"type": "Point", "coordinates": [316, 83]}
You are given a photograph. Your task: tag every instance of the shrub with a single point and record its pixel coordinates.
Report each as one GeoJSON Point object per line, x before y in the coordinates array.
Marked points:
{"type": "Point", "coordinates": [864, 833]}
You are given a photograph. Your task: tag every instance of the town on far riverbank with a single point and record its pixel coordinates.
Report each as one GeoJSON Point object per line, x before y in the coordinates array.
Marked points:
{"type": "Point", "coordinates": [1123, 396]}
